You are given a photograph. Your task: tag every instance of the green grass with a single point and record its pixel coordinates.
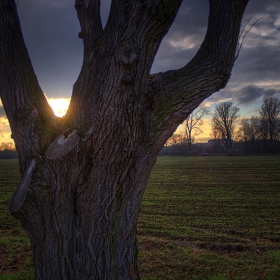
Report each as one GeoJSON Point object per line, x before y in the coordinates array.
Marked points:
{"type": "Point", "coordinates": [211, 218]}
{"type": "Point", "coordinates": [202, 218]}
{"type": "Point", "coordinates": [15, 253]}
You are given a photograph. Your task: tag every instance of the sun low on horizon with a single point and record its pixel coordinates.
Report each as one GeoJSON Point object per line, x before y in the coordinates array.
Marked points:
{"type": "Point", "coordinates": [59, 105]}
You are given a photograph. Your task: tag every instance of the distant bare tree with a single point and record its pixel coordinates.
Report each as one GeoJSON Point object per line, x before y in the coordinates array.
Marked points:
{"type": "Point", "coordinates": [244, 132]}
{"type": "Point", "coordinates": [270, 115]}
{"type": "Point", "coordinates": [193, 124]}
{"type": "Point", "coordinates": [278, 131]}
{"type": "Point", "coordinates": [223, 120]}
{"type": "Point", "coordinates": [262, 133]}
{"type": "Point", "coordinates": [215, 134]}
{"type": "Point", "coordinates": [250, 131]}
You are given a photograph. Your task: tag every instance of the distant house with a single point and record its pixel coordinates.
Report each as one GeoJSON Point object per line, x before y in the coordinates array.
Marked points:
{"type": "Point", "coordinates": [216, 142]}
{"type": "Point", "coordinates": [214, 146]}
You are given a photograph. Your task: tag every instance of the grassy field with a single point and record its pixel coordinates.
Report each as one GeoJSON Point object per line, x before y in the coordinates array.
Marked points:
{"type": "Point", "coordinates": [215, 218]}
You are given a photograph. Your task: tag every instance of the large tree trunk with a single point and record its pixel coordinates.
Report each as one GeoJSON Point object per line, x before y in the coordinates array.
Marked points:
{"type": "Point", "coordinates": [83, 176]}
{"type": "Point", "coordinates": [81, 219]}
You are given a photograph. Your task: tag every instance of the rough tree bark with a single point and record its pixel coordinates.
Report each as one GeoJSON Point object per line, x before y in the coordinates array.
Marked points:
{"type": "Point", "coordinates": [84, 174]}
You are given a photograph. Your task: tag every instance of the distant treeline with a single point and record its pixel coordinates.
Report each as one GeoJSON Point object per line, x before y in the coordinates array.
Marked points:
{"type": "Point", "coordinates": [8, 151]}
{"type": "Point", "coordinates": [219, 147]}
{"type": "Point", "coordinates": [8, 154]}
{"type": "Point", "coordinates": [230, 134]}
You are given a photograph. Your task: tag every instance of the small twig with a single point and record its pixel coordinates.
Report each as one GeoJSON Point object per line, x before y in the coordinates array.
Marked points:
{"type": "Point", "coordinates": [239, 46]}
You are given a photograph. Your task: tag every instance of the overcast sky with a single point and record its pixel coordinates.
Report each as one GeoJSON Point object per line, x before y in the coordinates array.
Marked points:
{"type": "Point", "coordinates": [51, 28]}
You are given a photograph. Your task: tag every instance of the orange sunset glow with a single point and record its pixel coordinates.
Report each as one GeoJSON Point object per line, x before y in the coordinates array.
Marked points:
{"type": "Point", "coordinates": [59, 105]}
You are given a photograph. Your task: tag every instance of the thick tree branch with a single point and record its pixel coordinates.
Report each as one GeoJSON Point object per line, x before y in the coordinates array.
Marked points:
{"type": "Point", "coordinates": [24, 102]}
{"type": "Point", "coordinates": [174, 94]}
{"type": "Point", "coordinates": [136, 28]}
{"type": "Point", "coordinates": [91, 26]}
{"type": "Point", "coordinates": [141, 16]}
{"type": "Point", "coordinates": [119, 59]}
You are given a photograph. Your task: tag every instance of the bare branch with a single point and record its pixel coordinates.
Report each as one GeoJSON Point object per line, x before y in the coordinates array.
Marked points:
{"type": "Point", "coordinates": [193, 123]}
{"type": "Point", "coordinates": [243, 40]}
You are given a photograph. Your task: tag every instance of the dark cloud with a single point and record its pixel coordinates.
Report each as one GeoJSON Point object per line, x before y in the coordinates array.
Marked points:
{"type": "Point", "coordinates": [51, 30]}
{"type": "Point", "coordinates": [261, 7]}
{"type": "Point", "coordinates": [219, 96]}
{"type": "Point", "coordinates": [191, 20]}
{"type": "Point", "coordinates": [258, 63]}
{"type": "Point", "coordinates": [251, 94]}
{"type": "Point", "coordinates": [248, 95]}
{"type": "Point", "coordinates": [243, 97]}
{"type": "Point", "coordinates": [184, 37]}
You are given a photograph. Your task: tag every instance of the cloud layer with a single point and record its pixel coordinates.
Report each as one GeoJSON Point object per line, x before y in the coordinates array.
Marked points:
{"type": "Point", "coordinates": [51, 28]}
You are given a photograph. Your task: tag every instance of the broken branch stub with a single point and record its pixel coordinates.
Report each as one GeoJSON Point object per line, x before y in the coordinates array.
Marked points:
{"type": "Point", "coordinates": [21, 191]}
{"type": "Point", "coordinates": [62, 145]}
